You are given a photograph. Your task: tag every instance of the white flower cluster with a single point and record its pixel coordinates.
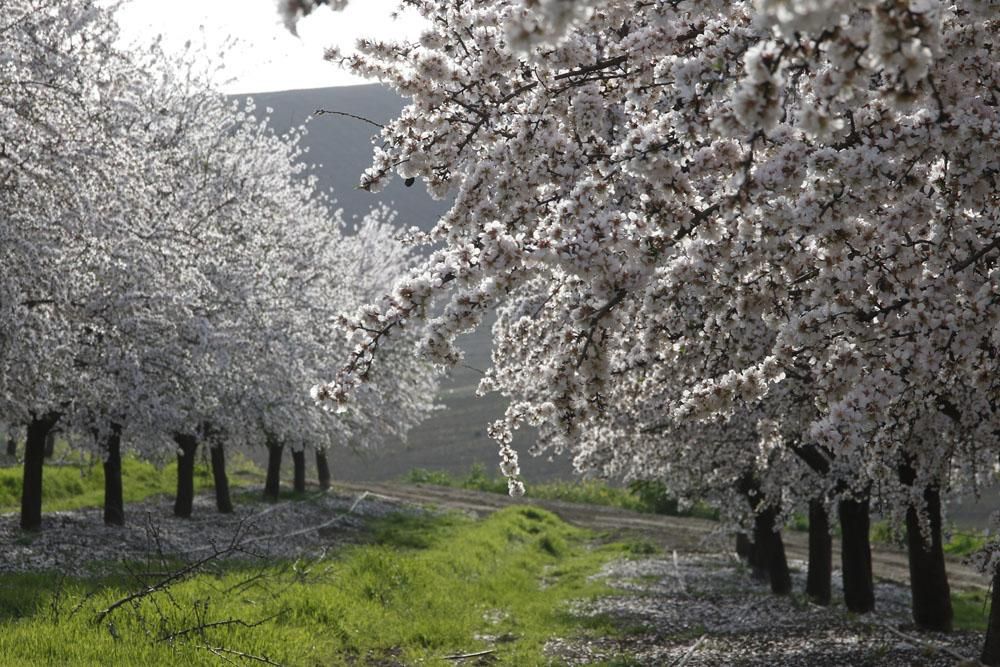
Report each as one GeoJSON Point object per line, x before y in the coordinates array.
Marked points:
{"type": "Point", "coordinates": [723, 236]}
{"type": "Point", "coordinates": [168, 264]}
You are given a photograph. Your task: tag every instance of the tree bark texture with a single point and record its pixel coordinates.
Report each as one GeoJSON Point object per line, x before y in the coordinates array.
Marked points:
{"type": "Point", "coordinates": [34, 458]}
{"type": "Point", "coordinates": [991, 647]}
{"type": "Point", "coordinates": [323, 469]}
{"type": "Point", "coordinates": [856, 555]}
{"type": "Point", "coordinates": [223, 501]}
{"type": "Point", "coordinates": [299, 469]}
{"type": "Point", "coordinates": [114, 500]}
{"type": "Point", "coordinates": [818, 579]}
{"type": "Point", "coordinates": [272, 484]}
{"type": "Point", "coordinates": [771, 551]}
{"type": "Point", "coordinates": [931, 594]}
{"type": "Point", "coordinates": [184, 501]}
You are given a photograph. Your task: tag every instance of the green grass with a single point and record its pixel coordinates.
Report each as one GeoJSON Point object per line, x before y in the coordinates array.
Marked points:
{"type": "Point", "coordinates": [422, 589]}
{"type": "Point", "coordinates": [69, 487]}
{"type": "Point", "coordinates": [971, 610]}
{"type": "Point", "coordinates": [650, 497]}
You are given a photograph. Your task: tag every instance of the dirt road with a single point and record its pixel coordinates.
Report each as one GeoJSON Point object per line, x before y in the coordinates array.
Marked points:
{"type": "Point", "coordinates": [680, 533]}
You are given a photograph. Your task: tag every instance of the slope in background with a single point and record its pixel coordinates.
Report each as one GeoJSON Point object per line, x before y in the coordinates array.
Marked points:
{"type": "Point", "coordinates": [454, 438]}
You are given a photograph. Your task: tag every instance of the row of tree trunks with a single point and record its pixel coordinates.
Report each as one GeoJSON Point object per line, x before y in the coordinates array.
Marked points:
{"type": "Point", "coordinates": [34, 459]}
{"type": "Point", "coordinates": [272, 483]}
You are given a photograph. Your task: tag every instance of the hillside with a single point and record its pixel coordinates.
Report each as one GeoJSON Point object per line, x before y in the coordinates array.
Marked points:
{"type": "Point", "coordinates": [454, 438]}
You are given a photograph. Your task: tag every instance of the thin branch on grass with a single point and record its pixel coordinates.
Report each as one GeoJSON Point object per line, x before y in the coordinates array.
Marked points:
{"type": "Point", "coordinates": [234, 546]}
{"type": "Point", "coordinates": [217, 624]}
{"type": "Point", "coordinates": [221, 652]}
{"type": "Point", "coordinates": [917, 641]}
{"type": "Point", "coordinates": [465, 656]}
{"type": "Point", "coordinates": [690, 652]}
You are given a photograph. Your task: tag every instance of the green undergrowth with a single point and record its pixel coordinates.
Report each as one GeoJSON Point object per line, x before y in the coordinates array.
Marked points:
{"type": "Point", "coordinates": [645, 496]}
{"type": "Point", "coordinates": [423, 588]}
{"type": "Point", "coordinates": [971, 610]}
{"type": "Point", "coordinates": [69, 487]}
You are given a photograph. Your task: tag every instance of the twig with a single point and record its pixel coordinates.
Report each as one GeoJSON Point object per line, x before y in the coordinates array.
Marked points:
{"type": "Point", "coordinates": [463, 656]}
{"type": "Point", "coordinates": [217, 624]}
{"type": "Point", "coordinates": [926, 644]}
{"type": "Point", "coordinates": [220, 650]}
{"type": "Point", "coordinates": [690, 652]}
{"type": "Point", "coordinates": [327, 112]}
{"type": "Point", "coordinates": [234, 545]}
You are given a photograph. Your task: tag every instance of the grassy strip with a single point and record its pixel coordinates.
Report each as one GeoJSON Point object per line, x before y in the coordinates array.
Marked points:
{"type": "Point", "coordinates": [649, 497]}
{"type": "Point", "coordinates": [971, 610]}
{"type": "Point", "coordinates": [424, 589]}
{"type": "Point", "coordinates": [66, 487]}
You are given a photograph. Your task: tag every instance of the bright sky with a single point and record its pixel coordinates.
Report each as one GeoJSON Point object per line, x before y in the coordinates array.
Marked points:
{"type": "Point", "coordinates": [266, 56]}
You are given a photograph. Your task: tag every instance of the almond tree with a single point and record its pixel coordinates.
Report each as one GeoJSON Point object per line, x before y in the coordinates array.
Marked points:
{"type": "Point", "coordinates": [816, 168]}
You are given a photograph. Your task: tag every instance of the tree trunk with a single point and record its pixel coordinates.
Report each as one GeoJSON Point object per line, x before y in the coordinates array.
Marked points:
{"type": "Point", "coordinates": [34, 457]}
{"type": "Point", "coordinates": [771, 551]}
{"type": "Point", "coordinates": [50, 444]}
{"type": "Point", "coordinates": [323, 469]}
{"type": "Point", "coordinates": [114, 501]}
{"type": "Point", "coordinates": [11, 446]}
{"type": "Point", "coordinates": [820, 554]}
{"type": "Point", "coordinates": [272, 485]}
{"type": "Point", "coordinates": [185, 474]}
{"type": "Point", "coordinates": [223, 502]}
{"type": "Point", "coordinates": [299, 466]}
{"type": "Point", "coordinates": [928, 578]}
{"type": "Point", "coordinates": [991, 647]}
{"type": "Point", "coordinates": [856, 555]}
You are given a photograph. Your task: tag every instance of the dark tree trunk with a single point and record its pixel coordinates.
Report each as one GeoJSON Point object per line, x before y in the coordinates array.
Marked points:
{"type": "Point", "coordinates": [222, 500]}
{"type": "Point", "coordinates": [747, 550]}
{"type": "Point", "coordinates": [299, 466]}
{"type": "Point", "coordinates": [34, 458]}
{"type": "Point", "coordinates": [322, 469]}
{"type": "Point", "coordinates": [272, 484]}
{"type": "Point", "coordinates": [50, 444]}
{"type": "Point", "coordinates": [771, 551]}
{"type": "Point", "coordinates": [744, 547]}
{"type": "Point", "coordinates": [928, 579]}
{"type": "Point", "coordinates": [991, 647]}
{"type": "Point", "coordinates": [185, 474]}
{"type": "Point", "coordinates": [856, 555]}
{"type": "Point", "coordinates": [820, 554]}
{"type": "Point", "coordinates": [11, 446]}
{"type": "Point", "coordinates": [114, 501]}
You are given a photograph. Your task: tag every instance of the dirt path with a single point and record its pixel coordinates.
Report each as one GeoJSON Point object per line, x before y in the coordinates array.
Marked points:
{"type": "Point", "coordinates": [681, 533]}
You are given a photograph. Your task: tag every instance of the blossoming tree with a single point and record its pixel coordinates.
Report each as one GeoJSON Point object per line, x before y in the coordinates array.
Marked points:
{"type": "Point", "coordinates": [813, 168]}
